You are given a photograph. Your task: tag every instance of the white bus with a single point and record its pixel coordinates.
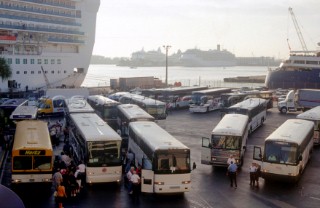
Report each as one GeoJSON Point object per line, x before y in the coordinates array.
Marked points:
{"type": "Point", "coordinates": [207, 100]}
{"type": "Point", "coordinates": [97, 145]}
{"type": "Point", "coordinates": [77, 105]}
{"type": "Point", "coordinates": [313, 115]}
{"type": "Point", "coordinates": [165, 161]}
{"type": "Point", "coordinates": [24, 112]}
{"type": "Point", "coordinates": [128, 113]}
{"type": "Point", "coordinates": [254, 108]}
{"type": "Point", "coordinates": [154, 107]}
{"type": "Point", "coordinates": [286, 151]}
{"type": "Point", "coordinates": [32, 153]}
{"type": "Point", "coordinates": [229, 137]}
{"type": "Point", "coordinates": [106, 108]}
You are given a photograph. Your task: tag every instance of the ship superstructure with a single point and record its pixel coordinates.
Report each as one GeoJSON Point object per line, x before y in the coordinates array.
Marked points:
{"type": "Point", "coordinates": [300, 70]}
{"type": "Point", "coordinates": [47, 42]}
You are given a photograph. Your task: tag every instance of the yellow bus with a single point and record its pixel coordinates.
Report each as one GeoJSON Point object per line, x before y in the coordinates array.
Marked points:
{"type": "Point", "coordinates": [32, 153]}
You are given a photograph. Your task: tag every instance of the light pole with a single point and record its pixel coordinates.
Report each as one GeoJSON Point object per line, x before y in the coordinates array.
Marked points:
{"type": "Point", "coordinates": [167, 47]}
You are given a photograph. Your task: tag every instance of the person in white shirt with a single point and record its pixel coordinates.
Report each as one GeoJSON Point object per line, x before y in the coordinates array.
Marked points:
{"type": "Point", "coordinates": [129, 175]}
{"type": "Point", "coordinates": [253, 171]}
{"type": "Point", "coordinates": [135, 179]}
{"type": "Point", "coordinates": [231, 158]}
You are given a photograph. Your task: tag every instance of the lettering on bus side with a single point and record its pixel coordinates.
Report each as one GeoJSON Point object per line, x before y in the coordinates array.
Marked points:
{"type": "Point", "coordinates": [32, 152]}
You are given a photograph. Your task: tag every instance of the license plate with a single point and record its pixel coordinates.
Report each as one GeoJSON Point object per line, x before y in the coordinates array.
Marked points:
{"type": "Point", "coordinates": [174, 187]}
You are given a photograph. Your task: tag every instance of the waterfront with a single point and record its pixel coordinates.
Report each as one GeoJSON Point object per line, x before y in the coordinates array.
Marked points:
{"type": "Point", "coordinates": [100, 75]}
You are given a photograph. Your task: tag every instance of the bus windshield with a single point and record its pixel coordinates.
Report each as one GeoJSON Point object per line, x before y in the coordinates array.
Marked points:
{"type": "Point", "coordinates": [110, 112]}
{"type": "Point", "coordinates": [103, 154]}
{"type": "Point", "coordinates": [226, 142]}
{"type": "Point", "coordinates": [174, 163]}
{"type": "Point", "coordinates": [281, 152]}
{"type": "Point", "coordinates": [25, 163]}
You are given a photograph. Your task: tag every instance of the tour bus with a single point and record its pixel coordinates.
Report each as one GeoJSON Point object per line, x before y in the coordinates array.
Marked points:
{"type": "Point", "coordinates": [229, 137]}
{"type": "Point", "coordinates": [77, 105]}
{"type": "Point", "coordinates": [32, 153]}
{"type": "Point", "coordinates": [154, 107]}
{"type": "Point", "coordinates": [128, 113]}
{"type": "Point", "coordinates": [165, 161]}
{"type": "Point", "coordinates": [207, 100]}
{"type": "Point", "coordinates": [229, 99]}
{"type": "Point", "coordinates": [24, 112]}
{"type": "Point", "coordinates": [106, 108]}
{"type": "Point", "coordinates": [254, 108]}
{"type": "Point", "coordinates": [313, 115]}
{"type": "Point", "coordinates": [6, 108]}
{"type": "Point", "coordinates": [96, 144]}
{"type": "Point", "coordinates": [286, 151]}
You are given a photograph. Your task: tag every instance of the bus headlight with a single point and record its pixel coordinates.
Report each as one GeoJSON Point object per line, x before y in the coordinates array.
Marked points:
{"type": "Point", "coordinates": [186, 182]}
{"type": "Point", "coordinates": [16, 181]}
{"type": "Point", "coordinates": [118, 172]}
{"type": "Point", "coordinates": [46, 180]}
{"type": "Point", "coordinates": [158, 183]}
{"type": "Point", "coordinates": [213, 159]}
{"type": "Point", "coordinates": [91, 173]}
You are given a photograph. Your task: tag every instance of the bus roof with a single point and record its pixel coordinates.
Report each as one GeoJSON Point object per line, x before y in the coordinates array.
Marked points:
{"type": "Point", "coordinates": [231, 124]}
{"type": "Point", "coordinates": [102, 100]}
{"type": "Point", "coordinates": [292, 130]}
{"type": "Point", "coordinates": [249, 103]}
{"type": "Point", "coordinates": [93, 128]}
{"type": "Point", "coordinates": [143, 99]}
{"type": "Point", "coordinates": [313, 114]}
{"type": "Point", "coordinates": [78, 106]}
{"type": "Point", "coordinates": [13, 103]}
{"type": "Point", "coordinates": [132, 111]}
{"type": "Point", "coordinates": [212, 90]}
{"type": "Point", "coordinates": [24, 112]}
{"type": "Point", "coordinates": [32, 134]}
{"type": "Point", "coordinates": [155, 137]}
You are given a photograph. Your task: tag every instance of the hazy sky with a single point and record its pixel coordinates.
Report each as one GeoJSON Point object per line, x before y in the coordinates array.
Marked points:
{"type": "Point", "coordinates": [244, 27]}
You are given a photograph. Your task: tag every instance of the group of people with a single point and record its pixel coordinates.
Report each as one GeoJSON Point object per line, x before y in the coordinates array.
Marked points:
{"type": "Point", "coordinates": [55, 131]}
{"type": "Point", "coordinates": [132, 176]}
{"type": "Point", "coordinates": [68, 178]}
{"type": "Point", "coordinates": [254, 170]}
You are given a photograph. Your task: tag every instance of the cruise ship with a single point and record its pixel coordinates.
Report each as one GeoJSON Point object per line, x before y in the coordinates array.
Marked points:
{"type": "Point", "coordinates": [47, 43]}
{"type": "Point", "coordinates": [210, 58]}
{"type": "Point", "coordinates": [300, 70]}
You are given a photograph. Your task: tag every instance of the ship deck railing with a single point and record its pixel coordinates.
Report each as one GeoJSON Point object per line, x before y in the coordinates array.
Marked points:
{"type": "Point", "coordinates": [10, 16]}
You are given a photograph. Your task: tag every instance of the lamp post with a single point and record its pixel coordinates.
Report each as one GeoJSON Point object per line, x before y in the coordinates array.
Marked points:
{"type": "Point", "coordinates": [167, 47]}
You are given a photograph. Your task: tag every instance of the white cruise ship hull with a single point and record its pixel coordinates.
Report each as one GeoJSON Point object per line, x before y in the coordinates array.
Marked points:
{"type": "Point", "coordinates": [50, 45]}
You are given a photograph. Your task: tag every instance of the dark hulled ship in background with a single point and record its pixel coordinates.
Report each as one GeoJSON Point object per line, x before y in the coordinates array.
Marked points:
{"type": "Point", "coordinates": [300, 70]}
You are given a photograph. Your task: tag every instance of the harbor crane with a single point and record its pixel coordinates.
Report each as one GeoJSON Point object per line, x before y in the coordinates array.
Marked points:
{"type": "Point", "coordinates": [303, 44]}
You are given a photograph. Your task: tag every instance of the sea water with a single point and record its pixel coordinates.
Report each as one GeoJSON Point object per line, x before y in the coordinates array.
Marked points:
{"type": "Point", "coordinates": [100, 75]}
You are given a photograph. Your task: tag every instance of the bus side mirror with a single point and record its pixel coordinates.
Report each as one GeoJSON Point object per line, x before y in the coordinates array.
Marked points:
{"type": "Point", "coordinates": [260, 156]}
{"type": "Point", "coordinates": [300, 158]}
{"type": "Point", "coordinates": [244, 147]}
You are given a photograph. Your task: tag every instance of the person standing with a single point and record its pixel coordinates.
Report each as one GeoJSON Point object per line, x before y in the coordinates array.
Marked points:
{"type": "Point", "coordinates": [232, 173]}
{"type": "Point", "coordinates": [135, 179]}
{"type": "Point", "coordinates": [253, 172]}
{"type": "Point", "coordinates": [231, 158]}
{"type": "Point", "coordinates": [61, 195]}
{"type": "Point", "coordinates": [258, 174]}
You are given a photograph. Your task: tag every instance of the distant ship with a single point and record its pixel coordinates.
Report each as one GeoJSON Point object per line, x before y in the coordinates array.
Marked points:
{"type": "Point", "coordinates": [300, 70]}
{"type": "Point", "coordinates": [47, 43]}
{"type": "Point", "coordinates": [210, 58]}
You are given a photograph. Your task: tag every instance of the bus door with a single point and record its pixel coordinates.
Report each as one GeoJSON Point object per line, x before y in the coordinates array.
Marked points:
{"type": "Point", "coordinates": [147, 181]}
{"type": "Point", "coordinates": [206, 151]}
{"type": "Point", "coordinates": [257, 155]}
